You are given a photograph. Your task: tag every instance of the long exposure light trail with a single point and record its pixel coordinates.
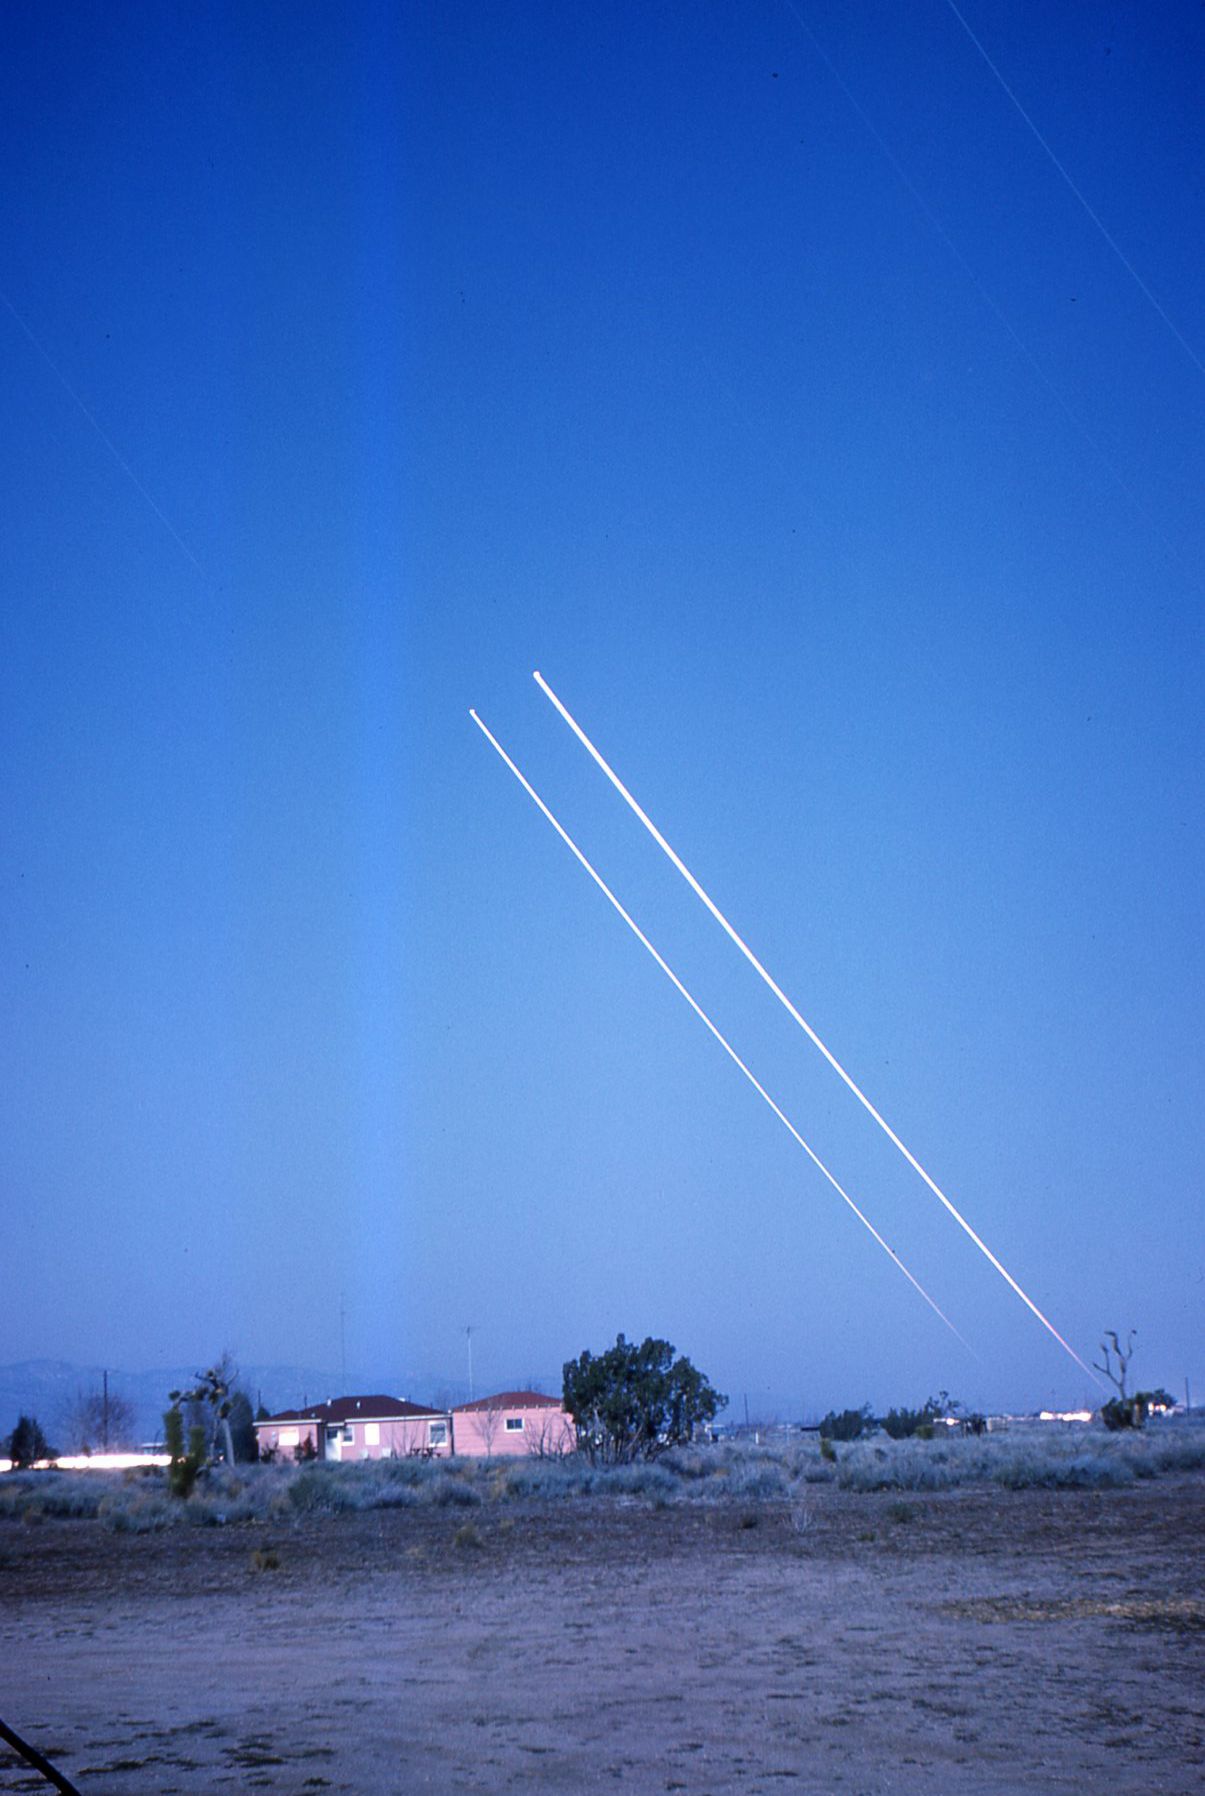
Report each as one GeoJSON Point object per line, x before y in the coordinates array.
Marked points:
{"type": "Point", "coordinates": [811, 1034]}
{"type": "Point", "coordinates": [731, 1052]}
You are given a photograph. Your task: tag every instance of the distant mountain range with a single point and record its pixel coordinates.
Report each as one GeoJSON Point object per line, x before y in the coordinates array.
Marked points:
{"type": "Point", "coordinates": [49, 1389]}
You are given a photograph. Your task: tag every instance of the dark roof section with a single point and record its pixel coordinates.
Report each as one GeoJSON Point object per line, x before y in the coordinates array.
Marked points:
{"type": "Point", "coordinates": [357, 1409]}
{"type": "Point", "coordinates": [509, 1400]}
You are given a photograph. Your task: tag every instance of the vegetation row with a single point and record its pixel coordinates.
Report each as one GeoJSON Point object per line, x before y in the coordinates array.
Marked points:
{"type": "Point", "coordinates": [222, 1495]}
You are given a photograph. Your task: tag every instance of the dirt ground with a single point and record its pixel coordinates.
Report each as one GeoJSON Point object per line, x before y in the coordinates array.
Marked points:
{"type": "Point", "coordinates": [966, 1642]}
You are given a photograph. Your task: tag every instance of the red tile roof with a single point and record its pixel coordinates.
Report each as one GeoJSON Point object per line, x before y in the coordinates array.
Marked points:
{"type": "Point", "coordinates": [509, 1400]}
{"type": "Point", "coordinates": [355, 1409]}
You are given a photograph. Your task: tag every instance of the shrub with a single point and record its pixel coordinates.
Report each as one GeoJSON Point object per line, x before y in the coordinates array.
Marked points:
{"type": "Point", "coordinates": [1178, 1453]}
{"type": "Point", "coordinates": [1132, 1412]}
{"type": "Point", "coordinates": [1085, 1471]}
{"type": "Point", "coordinates": [641, 1480]}
{"type": "Point", "coordinates": [693, 1462]}
{"type": "Point", "coordinates": [396, 1496]}
{"type": "Point", "coordinates": [320, 1488]}
{"type": "Point", "coordinates": [409, 1471]}
{"type": "Point", "coordinates": [216, 1511]}
{"type": "Point", "coordinates": [544, 1478]}
{"type": "Point", "coordinates": [453, 1493]}
{"type": "Point", "coordinates": [137, 1512]}
{"type": "Point", "coordinates": [53, 1493]}
{"type": "Point", "coordinates": [758, 1480]}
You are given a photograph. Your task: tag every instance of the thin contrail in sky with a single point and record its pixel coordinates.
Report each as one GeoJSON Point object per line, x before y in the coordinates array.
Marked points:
{"type": "Point", "coordinates": [993, 304]}
{"type": "Point", "coordinates": [1112, 242]}
{"type": "Point", "coordinates": [787, 1005]}
{"type": "Point", "coordinates": [107, 440]}
{"type": "Point", "coordinates": [731, 1052]}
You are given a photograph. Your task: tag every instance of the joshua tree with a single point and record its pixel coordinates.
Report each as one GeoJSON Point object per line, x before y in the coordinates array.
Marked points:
{"type": "Point", "coordinates": [184, 1467]}
{"type": "Point", "coordinates": [214, 1386]}
{"type": "Point", "coordinates": [1124, 1356]}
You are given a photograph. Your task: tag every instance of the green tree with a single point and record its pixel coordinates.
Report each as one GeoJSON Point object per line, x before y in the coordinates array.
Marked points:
{"type": "Point", "coordinates": [27, 1444]}
{"type": "Point", "coordinates": [242, 1427]}
{"type": "Point", "coordinates": [846, 1425]}
{"type": "Point", "coordinates": [902, 1424]}
{"type": "Point", "coordinates": [634, 1402]}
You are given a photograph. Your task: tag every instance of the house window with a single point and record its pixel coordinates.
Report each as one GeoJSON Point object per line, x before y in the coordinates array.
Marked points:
{"type": "Point", "coordinates": [437, 1434]}
{"type": "Point", "coordinates": [372, 1434]}
{"type": "Point", "coordinates": [514, 1424]}
{"type": "Point", "coordinates": [289, 1437]}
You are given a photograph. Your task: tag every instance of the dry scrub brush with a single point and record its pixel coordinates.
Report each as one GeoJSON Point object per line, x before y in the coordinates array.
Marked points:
{"type": "Point", "coordinates": [1048, 1456]}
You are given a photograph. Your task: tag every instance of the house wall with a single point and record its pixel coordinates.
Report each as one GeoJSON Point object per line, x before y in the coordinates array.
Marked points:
{"type": "Point", "coordinates": [286, 1437]}
{"type": "Point", "coordinates": [496, 1433]}
{"type": "Point", "coordinates": [393, 1438]}
{"type": "Point", "coordinates": [389, 1437]}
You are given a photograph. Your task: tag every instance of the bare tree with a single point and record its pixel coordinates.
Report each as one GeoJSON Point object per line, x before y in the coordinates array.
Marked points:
{"type": "Point", "coordinates": [488, 1418]}
{"type": "Point", "coordinates": [552, 1436]}
{"type": "Point", "coordinates": [1124, 1356]}
{"type": "Point", "coordinates": [98, 1422]}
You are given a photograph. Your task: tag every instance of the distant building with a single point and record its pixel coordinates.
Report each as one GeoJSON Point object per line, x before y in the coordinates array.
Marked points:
{"type": "Point", "coordinates": [513, 1422]}
{"type": "Point", "coordinates": [349, 1428]}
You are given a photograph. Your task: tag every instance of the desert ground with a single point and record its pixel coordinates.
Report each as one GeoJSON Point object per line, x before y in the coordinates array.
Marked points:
{"type": "Point", "coordinates": [974, 1640]}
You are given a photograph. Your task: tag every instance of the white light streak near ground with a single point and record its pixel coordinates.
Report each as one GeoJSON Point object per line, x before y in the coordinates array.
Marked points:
{"type": "Point", "coordinates": [705, 1019]}
{"type": "Point", "coordinates": [95, 1462]}
{"type": "Point", "coordinates": [787, 1005]}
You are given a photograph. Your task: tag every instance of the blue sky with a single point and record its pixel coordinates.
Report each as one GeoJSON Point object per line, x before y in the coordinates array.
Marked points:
{"type": "Point", "coordinates": [754, 373]}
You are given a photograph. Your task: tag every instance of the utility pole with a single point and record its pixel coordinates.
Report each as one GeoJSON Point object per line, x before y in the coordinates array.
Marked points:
{"type": "Point", "coordinates": [469, 1337]}
{"type": "Point", "coordinates": [104, 1413]}
{"type": "Point", "coordinates": [343, 1342]}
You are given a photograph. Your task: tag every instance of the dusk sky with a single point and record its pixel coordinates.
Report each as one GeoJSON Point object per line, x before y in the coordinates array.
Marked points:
{"type": "Point", "coordinates": [833, 440]}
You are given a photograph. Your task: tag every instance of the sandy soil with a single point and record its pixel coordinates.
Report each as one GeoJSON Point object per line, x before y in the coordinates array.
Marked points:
{"type": "Point", "coordinates": [968, 1642]}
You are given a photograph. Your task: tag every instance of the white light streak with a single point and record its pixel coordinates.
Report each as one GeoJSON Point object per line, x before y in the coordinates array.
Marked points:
{"type": "Point", "coordinates": [787, 1005]}
{"type": "Point", "coordinates": [731, 1052]}
{"type": "Point", "coordinates": [95, 1462]}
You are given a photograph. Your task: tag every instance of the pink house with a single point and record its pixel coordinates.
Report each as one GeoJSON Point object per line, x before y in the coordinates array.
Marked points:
{"type": "Point", "coordinates": [350, 1428]}
{"type": "Point", "coordinates": [513, 1422]}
